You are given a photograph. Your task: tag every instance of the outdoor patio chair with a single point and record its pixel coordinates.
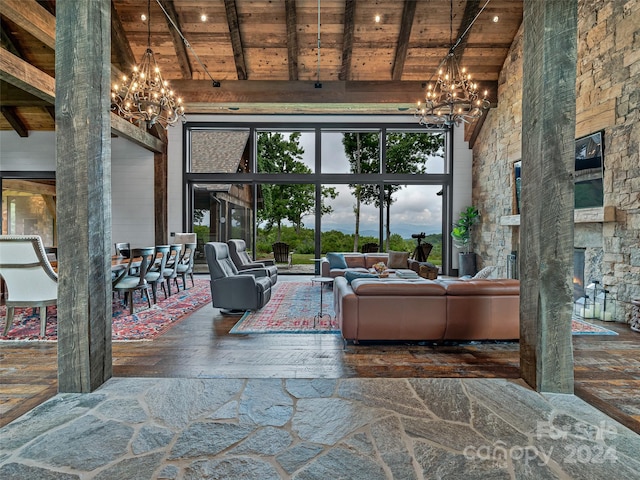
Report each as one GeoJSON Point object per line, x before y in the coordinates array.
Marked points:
{"type": "Point", "coordinates": [30, 280]}
{"type": "Point", "coordinates": [281, 253]}
{"type": "Point", "coordinates": [370, 248]}
{"type": "Point", "coordinates": [231, 290]}
{"type": "Point", "coordinates": [242, 260]}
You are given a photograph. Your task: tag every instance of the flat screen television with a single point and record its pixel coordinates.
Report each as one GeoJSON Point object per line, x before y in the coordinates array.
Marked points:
{"type": "Point", "coordinates": [589, 170]}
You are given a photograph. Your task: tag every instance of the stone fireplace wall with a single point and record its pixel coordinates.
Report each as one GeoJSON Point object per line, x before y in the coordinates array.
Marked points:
{"type": "Point", "coordinates": [607, 98]}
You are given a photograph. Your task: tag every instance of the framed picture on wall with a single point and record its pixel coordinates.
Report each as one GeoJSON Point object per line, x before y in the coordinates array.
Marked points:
{"type": "Point", "coordinates": [589, 171]}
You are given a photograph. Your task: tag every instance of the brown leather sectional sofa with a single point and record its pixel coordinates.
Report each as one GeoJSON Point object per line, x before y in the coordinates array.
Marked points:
{"type": "Point", "coordinates": [436, 310]}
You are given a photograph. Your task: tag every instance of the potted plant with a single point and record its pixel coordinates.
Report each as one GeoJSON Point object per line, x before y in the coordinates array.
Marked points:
{"type": "Point", "coordinates": [461, 234]}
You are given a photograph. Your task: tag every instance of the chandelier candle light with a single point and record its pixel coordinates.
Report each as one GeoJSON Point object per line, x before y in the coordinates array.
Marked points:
{"type": "Point", "coordinates": [453, 98]}
{"type": "Point", "coordinates": [146, 97]}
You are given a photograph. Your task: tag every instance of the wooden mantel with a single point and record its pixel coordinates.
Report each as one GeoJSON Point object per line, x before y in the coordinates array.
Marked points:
{"type": "Point", "coordinates": [583, 215]}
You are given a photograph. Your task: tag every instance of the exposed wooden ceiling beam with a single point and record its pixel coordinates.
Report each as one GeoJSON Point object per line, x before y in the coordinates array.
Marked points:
{"type": "Point", "coordinates": [347, 39]}
{"type": "Point", "coordinates": [9, 42]}
{"type": "Point", "coordinates": [122, 128]}
{"type": "Point", "coordinates": [49, 6]}
{"type": "Point", "coordinates": [12, 96]}
{"type": "Point", "coordinates": [471, 9]}
{"type": "Point", "coordinates": [408, 12]}
{"type": "Point", "coordinates": [200, 92]}
{"type": "Point", "coordinates": [33, 18]}
{"type": "Point", "coordinates": [178, 43]}
{"type": "Point", "coordinates": [292, 38]}
{"type": "Point", "coordinates": [120, 46]}
{"type": "Point", "coordinates": [236, 39]}
{"type": "Point", "coordinates": [17, 72]}
{"type": "Point", "coordinates": [14, 120]}
{"type": "Point", "coordinates": [51, 110]}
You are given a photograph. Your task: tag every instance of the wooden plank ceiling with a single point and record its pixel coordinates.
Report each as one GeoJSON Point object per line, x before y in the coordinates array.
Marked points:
{"type": "Point", "coordinates": [264, 53]}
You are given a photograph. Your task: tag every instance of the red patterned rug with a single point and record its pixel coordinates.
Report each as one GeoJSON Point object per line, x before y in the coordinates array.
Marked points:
{"type": "Point", "coordinates": [145, 324]}
{"type": "Point", "coordinates": [291, 310]}
{"type": "Point", "coordinates": [582, 327]}
{"type": "Point", "coordinates": [294, 304]}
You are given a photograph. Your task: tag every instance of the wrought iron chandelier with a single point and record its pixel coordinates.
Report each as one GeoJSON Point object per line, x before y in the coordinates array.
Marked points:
{"type": "Point", "coordinates": [146, 98]}
{"type": "Point", "coordinates": [453, 98]}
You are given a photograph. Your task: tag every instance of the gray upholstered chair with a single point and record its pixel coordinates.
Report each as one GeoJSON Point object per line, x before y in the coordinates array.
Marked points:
{"type": "Point", "coordinates": [242, 260]}
{"type": "Point", "coordinates": [129, 282]}
{"type": "Point", "coordinates": [231, 290]}
{"type": "Point", "coordinates": [30, 280]}
{"type": "Point", "coordinates": [184, 266]}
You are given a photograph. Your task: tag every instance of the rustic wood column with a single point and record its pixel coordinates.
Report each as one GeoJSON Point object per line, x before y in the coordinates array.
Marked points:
{"type": "Point", "coordinates": [160, 188]}
{"type": "Point", "coordinates": [548, 135]}
{"type": "Point", "coordinates": [83, 181]}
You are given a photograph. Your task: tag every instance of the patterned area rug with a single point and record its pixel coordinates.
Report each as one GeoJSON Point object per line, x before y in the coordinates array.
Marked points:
{"type": "Point", "coordinates": [291, 310]}
{"type": "Point", "coordinates": [581, 327]}
{"type": "Point", "coordinates": [294, 304]}
{"type": "Point", "coordinates": [145, 324]}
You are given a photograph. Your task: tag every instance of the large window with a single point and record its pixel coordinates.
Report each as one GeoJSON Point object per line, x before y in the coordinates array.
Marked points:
{"type": "Point", "coordinates": [318, 188]}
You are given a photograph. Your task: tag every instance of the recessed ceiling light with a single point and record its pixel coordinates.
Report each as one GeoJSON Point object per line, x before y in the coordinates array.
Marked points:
{"type": "Point", "coordinates": [495, 19]}
{"type": "Point", "coordinates": [143, 17]}
{"type": "Point", "coordinates": [203, 17]}
{"type": "Point", "coordinates": [378, 18]}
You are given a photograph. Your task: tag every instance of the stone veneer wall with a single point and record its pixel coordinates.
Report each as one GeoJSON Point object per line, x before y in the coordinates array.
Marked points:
{"type": "Point", "coordinates": [607, 98]}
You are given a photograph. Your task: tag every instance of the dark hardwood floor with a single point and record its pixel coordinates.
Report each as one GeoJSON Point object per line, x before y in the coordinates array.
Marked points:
{"type": "Point", "coordinates": [607, 368]}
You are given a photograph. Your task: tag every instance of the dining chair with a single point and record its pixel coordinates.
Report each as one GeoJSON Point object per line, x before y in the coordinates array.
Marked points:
{"type": "Point", "coordinates": [155, 273]}
{"type": "Point", "coordinates": [123, 249]}
{"type": "Point", "coordinates": [171, 271]}
{"type": "Point", "coordinates": [185, 264]}
{"type": "Point", "coordinates": [127, 281]}
{"type": "Point", "coordinates": [30, 279]}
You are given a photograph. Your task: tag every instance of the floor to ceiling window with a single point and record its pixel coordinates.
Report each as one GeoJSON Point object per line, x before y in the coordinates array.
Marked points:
{"type": "Point", "coordinates": [318, 188]}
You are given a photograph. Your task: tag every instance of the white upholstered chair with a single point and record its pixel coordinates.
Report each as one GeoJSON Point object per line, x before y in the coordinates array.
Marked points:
{"type": "Point", "coordinates": [29, 277]}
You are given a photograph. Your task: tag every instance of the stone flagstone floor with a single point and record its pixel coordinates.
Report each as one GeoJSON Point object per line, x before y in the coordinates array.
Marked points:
{"type": "Point", "coordinates": [369, 429]}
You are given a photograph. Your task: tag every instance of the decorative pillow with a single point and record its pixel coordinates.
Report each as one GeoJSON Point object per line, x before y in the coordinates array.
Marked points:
{"type": "Point", "coordinates": [485, 272]}
{"type": "Point", "coordinates": [398, 259]}
{"type": "Point", "coordinates": [336, 260]}
{"type": "Point", "coordinates": [350, 275]}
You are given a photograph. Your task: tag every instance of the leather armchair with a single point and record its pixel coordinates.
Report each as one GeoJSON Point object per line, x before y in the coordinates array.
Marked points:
{"type": "Point", "coordinates": [242, 260]}
{"type": "Point", "coordinates": [232, 290]}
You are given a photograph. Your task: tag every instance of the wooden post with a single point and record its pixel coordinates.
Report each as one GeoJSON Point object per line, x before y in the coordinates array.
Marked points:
{"type": "Point", "coordinates": [548, 131]}
{"type": "Point", "coordinates": [83, 181]}
{"type": "Point", "coordinates": [160, 203]}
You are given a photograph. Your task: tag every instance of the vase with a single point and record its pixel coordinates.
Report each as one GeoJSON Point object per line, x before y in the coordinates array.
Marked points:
{"type": "Point", "coordinates": [467, 264]}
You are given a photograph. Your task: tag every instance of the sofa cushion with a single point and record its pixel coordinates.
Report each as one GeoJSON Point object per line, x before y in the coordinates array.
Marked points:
{"type": "Point", "coordinates": [485, 272]}
{"type": "Point", "coordinates": [354, 260]}
{"type": "Point", "coordinates": [336, 260]}
{"type": "Point", "coordinates": [371, 259]}
{"type": "Point", "coordinates": [366, 287]}
{"type": "Point", "coordinates": [482, 287]}
{"type": "Point", "coordinates": [398, 259]}
{"type": "Point", "coordinates": [351, 275]}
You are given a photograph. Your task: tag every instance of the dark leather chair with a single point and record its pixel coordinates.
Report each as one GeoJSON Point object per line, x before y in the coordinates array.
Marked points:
{"type": "Point", "coordinates": [231, 290]}
{"type": "Point", "coordinates": [242, 260]}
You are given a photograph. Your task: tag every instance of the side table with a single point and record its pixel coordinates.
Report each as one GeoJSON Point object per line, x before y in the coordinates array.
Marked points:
{"type": "Point", "coordinates": [321, 281]}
